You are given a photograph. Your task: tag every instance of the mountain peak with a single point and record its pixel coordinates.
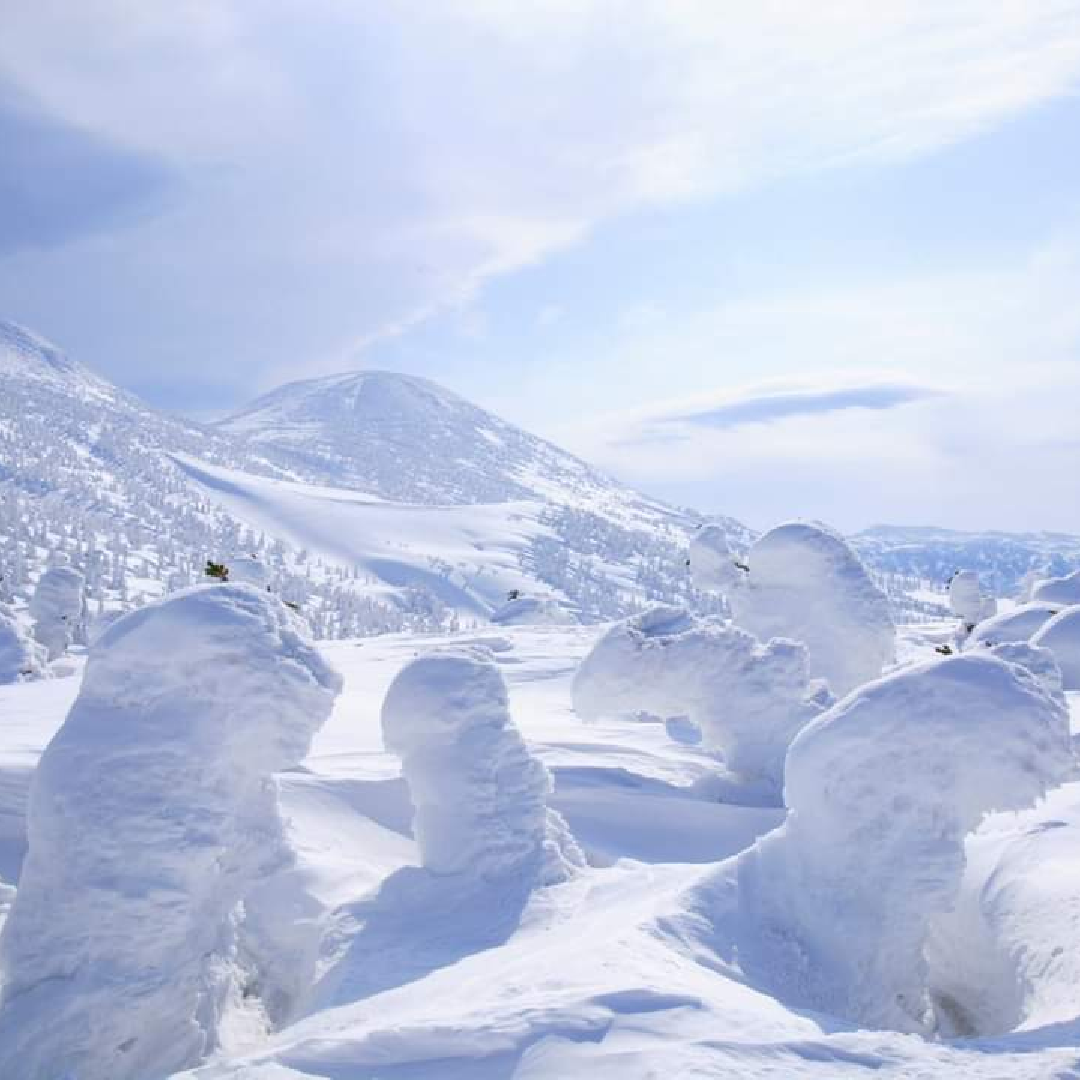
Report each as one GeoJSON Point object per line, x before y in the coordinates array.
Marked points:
{"type": "Point", "coordinates": [405, 437]}
{"type": "Point", "coordinates": [22, 352]}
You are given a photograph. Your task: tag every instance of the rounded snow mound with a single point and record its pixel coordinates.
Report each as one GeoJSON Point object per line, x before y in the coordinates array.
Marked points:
{"type": "Point", "coordinates": [1059, 590]}
{"type": "Point", "coordinates": [805, 582]}
{"type": "Point", "coordinates": [153, 814]}
{"type": "Point", "coordinates": [1019, 624]}
{"type": "Point", "coordinates": [747, 698]}
{"type": "Point", "coordinates": [882, 790]}
{"type": "Point", "coordinates": [1039, 661]}
{"type": "Point", "coordinates": [1061, 636]}
{"type": "Point", "coordinates": [713, 564]}
{"type": "Point", "coordinates": [533, 611]}
{"type": "Point", "coordinates": [479, 796]}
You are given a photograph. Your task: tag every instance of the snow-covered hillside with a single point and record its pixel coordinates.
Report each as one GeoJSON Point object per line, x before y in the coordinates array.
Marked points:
{"type": "Point", "coordinates": [123, 493]}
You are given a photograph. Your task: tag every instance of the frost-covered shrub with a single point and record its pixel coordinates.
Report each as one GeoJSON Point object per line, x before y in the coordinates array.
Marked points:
{"type": "Point", "coordinates": [714, 566]}
{"type": "Point", "coordinates": [1061, 635]}
{"type": "Point", "coordinates": [966, 599]}
{"type": "Point", "coordinates": [20, 658]}
{"type": "Point", "coordinates": [806, 583]}
{"type": "Point", "coordinates": [153, 813]}
{"type": "Point", "coordinates": [882, 790]}
{"type": "Point", "coordinates": [1060, 590]}
{"type": "Point", "coordinates": [479, 795]}
{"type": "Point", "coordinates": [748, 699]}
{"type": "Point", "coordinates": [1019, 624]}
{"type": "Point", "coordinates": [58, 609]}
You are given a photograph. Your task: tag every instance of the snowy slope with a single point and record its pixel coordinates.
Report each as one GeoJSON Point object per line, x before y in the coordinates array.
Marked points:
{"type": "Point", "coordinates": [407, 438]}
{"type": "Point", "coordinates": [87, 469]}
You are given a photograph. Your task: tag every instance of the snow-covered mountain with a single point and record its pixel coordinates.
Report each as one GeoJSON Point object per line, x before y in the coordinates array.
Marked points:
{"type": "Point", "coordinates": [139, 500]}
{"type": "Point", "coordinates": [409, 439]}
{"type": "Point", "coordinates": [933, 555]}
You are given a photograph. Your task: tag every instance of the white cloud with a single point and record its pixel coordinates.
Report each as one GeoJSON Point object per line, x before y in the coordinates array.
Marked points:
{"type": "Point", "coordinates": [352, 169]}
{"type": "Point", "coordinates": [971, 380]}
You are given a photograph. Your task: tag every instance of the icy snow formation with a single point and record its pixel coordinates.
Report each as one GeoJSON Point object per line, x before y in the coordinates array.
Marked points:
{"type": "Point", "coordinates": [966, 600]}
{"type": "Point", "coordinates": [1059, 590]}
{"type": "Point", "coordinates": [713, 564]}
{"type": "Point", "coordinates": [748, 699]}
{"type": "Point", "coordinates": [58, 609]}
{"type": "Point", "coordinates": [881, 791]}
{"type": "Point", "coordinates": [965, 596]}
{"type": "Point", "coordinates": [1019, 624]}
{"type": "Point", "coordinates": [1061, 635]}
{"type": "Point", "coordinates": [806, 583]}
{"type": "Point", "coordinates": [479, 795]}
{"type": "Point", "coordinates": [153, 813]}
{"type": "Point", "coordinates": [20, 658]}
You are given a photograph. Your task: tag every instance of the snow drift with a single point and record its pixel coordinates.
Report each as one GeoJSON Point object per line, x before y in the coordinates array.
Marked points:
{"type": "Point", "coordinates": [1061, 635]}
{"type": "Point", "coordinates": [153, 813]}
{"type": "Point", "coordinates": [748, 699]}
{"type": "Point", "coordinates": [1059, 590]}
{"type": "Point", "coordinates": [1019, 624]}
{"type": "Point", "coordinates": [806, 583]}
{"type": "Point", "coordinates": [882, 790]}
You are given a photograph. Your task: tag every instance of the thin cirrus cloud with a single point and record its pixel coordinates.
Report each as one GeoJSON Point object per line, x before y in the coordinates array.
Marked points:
{"type": "Point", "coordinates": [676, 421]}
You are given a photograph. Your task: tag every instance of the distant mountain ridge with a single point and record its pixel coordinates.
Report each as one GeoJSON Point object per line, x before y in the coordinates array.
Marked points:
{"type": "Point", "coordinates": [92, 472]}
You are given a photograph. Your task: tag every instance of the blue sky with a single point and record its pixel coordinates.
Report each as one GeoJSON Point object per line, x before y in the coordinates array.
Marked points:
{"type": "Point", "coordinates": [768, 260]}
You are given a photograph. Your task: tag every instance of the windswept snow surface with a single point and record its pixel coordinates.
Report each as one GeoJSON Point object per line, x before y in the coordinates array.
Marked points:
{"type": "Point", "coordinates": [153, 815]}
{"type": "Point", "coordinates": [613, 973]}
{"type": "Point", "coordinates": [806, 583]}
{"type": "Point", "coordinates": [469, 556]}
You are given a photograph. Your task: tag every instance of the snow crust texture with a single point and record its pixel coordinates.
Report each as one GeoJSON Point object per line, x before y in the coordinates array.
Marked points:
{"type": "Point", "coordinates": [806, 583]}
{"type": "Point", "coordinates": [479, 795]}
{"type": "Point", "coordinates": [153, 813]}
{"type": "Point", "coordinates": [749, 699]}
{"type": "Point", "coordinates": [882, 790]}
{"type": "Point", "coordinates": [1061, 636]}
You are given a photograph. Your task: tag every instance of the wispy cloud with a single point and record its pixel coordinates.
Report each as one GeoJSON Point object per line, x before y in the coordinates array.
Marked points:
{"type": "Point", "coordinates": [767, 407]}
{"type": "Point", "coordinates": [353, 169]}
